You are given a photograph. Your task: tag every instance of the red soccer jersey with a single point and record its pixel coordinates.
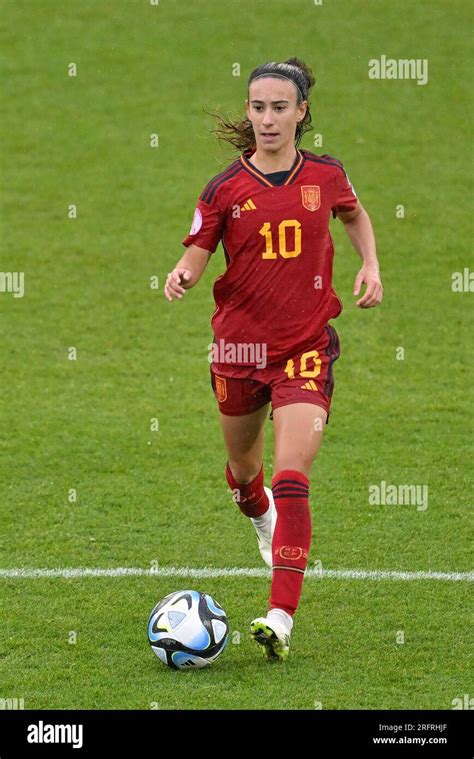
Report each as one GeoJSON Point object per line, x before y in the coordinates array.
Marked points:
{"type": "Point", "coordinates": [277, 288]}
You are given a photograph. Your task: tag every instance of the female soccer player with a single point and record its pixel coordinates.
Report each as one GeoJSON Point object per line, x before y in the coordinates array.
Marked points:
{"type": "Point", "coordinates": [271, 209]}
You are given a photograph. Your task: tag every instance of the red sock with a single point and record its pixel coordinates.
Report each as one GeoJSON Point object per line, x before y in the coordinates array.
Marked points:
{"type": "Point", "coordinates": [291, 539]}
{"type": "Point", "coordinates": [250, 497]}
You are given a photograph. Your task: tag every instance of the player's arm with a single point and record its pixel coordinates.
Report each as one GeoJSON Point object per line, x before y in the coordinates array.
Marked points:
{"type": "Point", "coordinates": [187, 272]}
{"type": "Point", "coordinates": [361, 234]}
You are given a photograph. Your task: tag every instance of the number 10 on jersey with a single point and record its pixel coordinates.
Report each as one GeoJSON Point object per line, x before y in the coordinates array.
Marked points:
{"type": "Point", "coordinates": [266, 232]}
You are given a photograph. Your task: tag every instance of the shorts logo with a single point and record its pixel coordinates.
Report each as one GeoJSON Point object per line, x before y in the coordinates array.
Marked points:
{"type": "Point", "coordinates": [311, 196]}
{"type": "Point", "coordinates": [311, 385]}
{"type": "Point", "coordinates": [292, 552]}
{"type": "Point", "coordinates": [221, 389]}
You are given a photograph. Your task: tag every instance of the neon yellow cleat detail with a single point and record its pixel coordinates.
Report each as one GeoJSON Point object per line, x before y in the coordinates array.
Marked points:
{"type": "Point", "coordinates": [272, 637]}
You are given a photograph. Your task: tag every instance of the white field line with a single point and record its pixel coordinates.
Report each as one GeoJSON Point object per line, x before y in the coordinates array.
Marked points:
{"type": "Point", "coordinates": [20, 573]}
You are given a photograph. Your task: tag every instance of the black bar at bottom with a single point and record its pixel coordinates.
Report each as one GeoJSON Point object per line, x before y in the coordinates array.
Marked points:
{"type": "Point", "coordinates": [318, 734]}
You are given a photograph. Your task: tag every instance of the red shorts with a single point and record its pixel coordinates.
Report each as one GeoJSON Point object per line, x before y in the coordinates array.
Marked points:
{"type": "Point", "coordinates": [305, 378]}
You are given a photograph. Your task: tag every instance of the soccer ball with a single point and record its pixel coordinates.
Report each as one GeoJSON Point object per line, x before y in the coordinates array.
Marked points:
{"type": "Point", "coordinates": [188, 630]}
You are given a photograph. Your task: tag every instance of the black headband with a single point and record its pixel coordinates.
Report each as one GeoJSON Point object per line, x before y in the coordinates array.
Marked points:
{"type": "Point", "coordinates": [285, 71]}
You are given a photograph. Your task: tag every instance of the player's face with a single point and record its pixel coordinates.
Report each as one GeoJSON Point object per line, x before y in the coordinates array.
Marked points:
{"type": "Point", "coordinates": [272, 109]}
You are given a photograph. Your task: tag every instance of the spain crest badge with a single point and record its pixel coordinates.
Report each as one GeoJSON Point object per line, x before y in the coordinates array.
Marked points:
{"type": "Point", "coordinates": [311, 196]}
{"type": "Point", "coordinates": [221, 389]}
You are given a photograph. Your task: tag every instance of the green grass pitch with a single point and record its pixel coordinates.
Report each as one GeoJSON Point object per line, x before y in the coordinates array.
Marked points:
{"type": "Point", "coordinates": [160, 496]}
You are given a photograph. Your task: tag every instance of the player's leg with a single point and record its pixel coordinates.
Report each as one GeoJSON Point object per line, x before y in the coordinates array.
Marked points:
{"type": "Point", "coordinates": [244, 439]}
{"type": "Point", "coordinates": [301, 398]}
{"type": "Point", "coordinates": [243, 406]}
{"type": "Point", "coordinates": [298, 436]}
{"type": "Point", "coordinates": [244, 442]}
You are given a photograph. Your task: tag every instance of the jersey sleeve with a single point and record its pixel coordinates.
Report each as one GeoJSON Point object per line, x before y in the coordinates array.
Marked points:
{"type": "Point", "coordinates": [345, 197]}
{"type": "Point", "coordinates": [207, 225]}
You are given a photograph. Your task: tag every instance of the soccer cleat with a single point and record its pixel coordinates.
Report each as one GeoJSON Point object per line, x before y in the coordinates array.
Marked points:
{"type": "Point", "coordinates": [265, 533]}
{"type": "Point", "coordinates": [272, 636]}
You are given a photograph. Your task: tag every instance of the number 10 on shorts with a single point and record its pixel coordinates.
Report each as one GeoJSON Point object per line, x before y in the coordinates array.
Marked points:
{"type": "Point", "coordinates": [304, 371]}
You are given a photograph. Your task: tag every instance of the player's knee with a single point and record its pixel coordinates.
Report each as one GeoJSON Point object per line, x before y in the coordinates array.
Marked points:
{"type": "Point", "coordinates": [244, 471]}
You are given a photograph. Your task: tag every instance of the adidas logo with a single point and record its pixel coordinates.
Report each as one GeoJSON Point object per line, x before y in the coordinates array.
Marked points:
{"type": "Point", "coordinates": [249, 206]}
{"type": "Point", "coordinates": [311, 385]}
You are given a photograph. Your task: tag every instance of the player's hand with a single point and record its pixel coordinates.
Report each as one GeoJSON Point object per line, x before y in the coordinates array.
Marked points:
{"type": "Point", "coordinates": [174, 283]}
{"type": "Point", "coordinates": [373, 295]}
